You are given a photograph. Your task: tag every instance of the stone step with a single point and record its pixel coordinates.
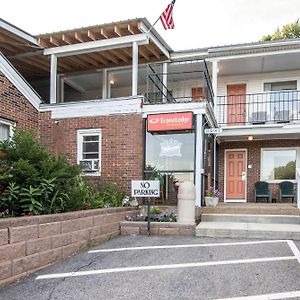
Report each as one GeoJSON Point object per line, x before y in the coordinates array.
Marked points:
{"type": "Point", "coordinates": [249, 218]}
{"type": "Point", "coordinates": [248, 230]}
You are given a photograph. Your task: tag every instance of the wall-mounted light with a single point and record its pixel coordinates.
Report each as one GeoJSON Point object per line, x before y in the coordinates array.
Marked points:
{"type": "Point", "coordinates": [112, 82]}
{"type": "Point", "coordinates": [250, 138]}
{"type": "Point", "coordinates": [218, 70]}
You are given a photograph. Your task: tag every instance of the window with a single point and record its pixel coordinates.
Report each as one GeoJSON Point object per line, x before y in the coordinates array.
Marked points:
{"type": "Point", "coordinates": [280, 86]}
{"type": "Point", "coordinates": [5, 130]}
{"type": "Point", "coordinates": [278, 164]}
{"type": "Point", "coordinates": [89, 151]}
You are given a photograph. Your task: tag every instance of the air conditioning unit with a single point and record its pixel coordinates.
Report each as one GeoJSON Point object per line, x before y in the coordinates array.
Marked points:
{"type": "Point", "coordinates": [89, 165]}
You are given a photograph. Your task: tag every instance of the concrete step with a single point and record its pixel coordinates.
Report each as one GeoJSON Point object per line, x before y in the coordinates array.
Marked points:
{"type": "Point", "coordinates": [253, 208]}
{"type": "Point", "coordinates": [249, 218]}
{"type": "Point", "coordinates": [248, 230]}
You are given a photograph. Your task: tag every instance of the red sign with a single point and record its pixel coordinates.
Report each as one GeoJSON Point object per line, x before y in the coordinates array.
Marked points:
{"type": "Point", "coordinates": [166, 122]}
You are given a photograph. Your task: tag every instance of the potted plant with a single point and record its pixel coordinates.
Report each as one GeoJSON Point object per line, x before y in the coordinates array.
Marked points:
{"type": "Point", "coordinates": [212, 197]}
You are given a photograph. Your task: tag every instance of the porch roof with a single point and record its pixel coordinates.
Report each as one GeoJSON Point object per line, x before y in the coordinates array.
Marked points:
{"type": "Point", "coordinates": [155, 50]}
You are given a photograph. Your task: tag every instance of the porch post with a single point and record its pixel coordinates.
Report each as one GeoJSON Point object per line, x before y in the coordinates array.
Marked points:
{"type": "Point", "coordinates": [135, 65]}
{"type": "Point", "coordinates": [215, 79]}
{"type": "Point", "coordinates": [165, 82]}
{"type": "Point", "coordinates": [298, 188]}
{"type": "Point", "coordinates": [199, 160]}
{"type": "Point", "coordinates": [53, 79]}
{"type": "Point", "coordinates": [104, 84]}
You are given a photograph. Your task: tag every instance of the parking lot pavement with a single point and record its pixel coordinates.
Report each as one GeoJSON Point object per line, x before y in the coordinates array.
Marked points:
{"type": "Point", "coordinates": [156, 267]}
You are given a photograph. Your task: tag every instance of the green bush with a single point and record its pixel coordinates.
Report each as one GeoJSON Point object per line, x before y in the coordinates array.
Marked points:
{"type": "Point", "coordinates": [34, 181]}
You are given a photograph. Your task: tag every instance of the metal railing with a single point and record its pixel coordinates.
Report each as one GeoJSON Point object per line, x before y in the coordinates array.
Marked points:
{"type": "Point", "coordinates": [177, 83]}
{"type": "Point", "coordinates": [258, 108]}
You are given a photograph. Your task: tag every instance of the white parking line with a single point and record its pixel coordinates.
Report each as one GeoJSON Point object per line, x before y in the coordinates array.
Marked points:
{"type": "Point", "coordinates": [159, 267]}
{"type": "Point", "coordinates": [287, 295]}
{"type": "Point", "coordinates": [294, 249]}
{"type": "Point", "coordinates": [187, 246]}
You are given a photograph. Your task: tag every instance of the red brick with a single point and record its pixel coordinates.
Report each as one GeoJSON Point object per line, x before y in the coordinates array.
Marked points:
{"type": "Point", "coordinates": [49, 229]}
{"type": "Point", "coordinates": [5, 270]}
{"type": "Point", "coordinates": [50, 256]}
{"type": "Point", "coordinates": [25, 264]}
{"type": "Point", "coordinates": [69, 226]}
{"type": "Point", "coordinates": [18, 234]}
{"type": "Point", "coordinates": [38, 245]}
{"type": "Point", "coordinates": [61, 240]}
{"type": "Point", "coordinates": [12, 251]}
{"type": "Point", "coordinates": [3, 236]}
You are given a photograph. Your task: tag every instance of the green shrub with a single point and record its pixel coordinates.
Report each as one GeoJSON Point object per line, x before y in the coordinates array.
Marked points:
{"type": "Point", "coordinates": [32, 180]}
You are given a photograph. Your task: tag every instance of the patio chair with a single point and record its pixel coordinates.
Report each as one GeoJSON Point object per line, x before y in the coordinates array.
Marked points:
{"type": "Point", "coordinates": [286, 190]}
{"type": "Point", "coordinates": [261, 190]}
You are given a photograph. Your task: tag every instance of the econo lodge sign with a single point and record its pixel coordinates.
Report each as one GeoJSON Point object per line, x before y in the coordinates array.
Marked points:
{"type": "Point", "coordinates": [166, 122]}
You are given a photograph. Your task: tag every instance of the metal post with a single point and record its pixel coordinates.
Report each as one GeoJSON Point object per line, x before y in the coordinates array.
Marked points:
{"type": "Point", "coordinates": [165, 82]}
{"type": "Point", "coordinates": [298, 188]}
{"type": "Point", "coordinates": [215, 80]}
{"type": "Point", "coordinates": [199, 160]}
{"type": "Point", "coordinates": [104, 84]}
{"type": "Point", "coordinates": [215, 160]}
{"type": "Point", "coordinates": [149, 213]}
{"type": "Point", "coordinates": [53, 79]}
{"type": "Point", "coordinates": [135, 66]}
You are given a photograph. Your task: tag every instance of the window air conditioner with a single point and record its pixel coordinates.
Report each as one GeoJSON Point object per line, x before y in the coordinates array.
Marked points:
{"type": "Point", "coordinates": [89, 165]}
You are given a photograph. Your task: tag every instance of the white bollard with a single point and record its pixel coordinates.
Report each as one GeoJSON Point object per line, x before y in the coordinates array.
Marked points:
{"type": "Point", "coordinates": [186, 203]}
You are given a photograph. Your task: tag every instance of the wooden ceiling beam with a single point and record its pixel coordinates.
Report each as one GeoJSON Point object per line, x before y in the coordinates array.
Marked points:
{"type": "Point", "coordinates": [105, 33]}
{"type": "Point", "coordinates": [68, 39]}
{"type": "Point", "coordinates": [118, 31]}
{"type": "Point", "coordinates": [132, 29]}
{"type": "Point", "coordinates": [80, 37]}
{"type": "Point", "coordinates": [110, 57]}
{"type": "Point", "coordinates": [44, 42]}
{"type": "Point", "coordinates": [38, 65]}
{"type": "Point", "coordinates": [152, 49]}
{"type": "Point", "coordinates": [92, 35]}
{"type": "Point", "coordinates": [100, 58]}
{"type": "Point", "coordinates": [127, 51]}
{"type": "Point", "coordinates": [144, 53]}
{"type": "Point", "coordinates": [90, 61]}
{"type": "Point", "coordinates": [55, 41]}
{"type": "Point", "coordinates": [119, 54]}
{"type": "Point", "coordinates": [73, 61]}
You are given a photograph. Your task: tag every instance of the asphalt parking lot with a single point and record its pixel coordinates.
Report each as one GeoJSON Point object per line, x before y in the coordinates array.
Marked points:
{"type": "Point", "coordinates": [156, 267]}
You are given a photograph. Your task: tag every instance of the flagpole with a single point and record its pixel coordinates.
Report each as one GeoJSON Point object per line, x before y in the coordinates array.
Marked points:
{"type": "Point", "coordinates": [153, 24]}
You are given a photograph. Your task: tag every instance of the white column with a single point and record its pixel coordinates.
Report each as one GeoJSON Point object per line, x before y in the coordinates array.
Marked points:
{"type": "Point", "coordinates": [298, 188]}
{"type": "Point", "coordinates": [165, 82]}
{"type": "Point", "coordinates": [199, 159]}
{"type": "Point", "coordinates": [62, 90]}
{"type": "Point", "coordinates": [215, 79]}
{"type": "Point", "coordinates": [135, 66]}
{"type": "Point", "coordinates": [104, 84]}
{"type": "Point", "coordinates": [53, 79]}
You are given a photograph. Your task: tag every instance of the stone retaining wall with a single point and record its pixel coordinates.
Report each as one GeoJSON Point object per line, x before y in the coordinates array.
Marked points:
{"type": "Point", "coordinates": [28, 244]}
{"type": "Point", "coordinates": [157, 228]}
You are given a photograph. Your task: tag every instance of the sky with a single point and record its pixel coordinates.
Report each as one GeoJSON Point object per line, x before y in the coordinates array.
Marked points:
{"type": "Point", "coordinates": [198, 23]}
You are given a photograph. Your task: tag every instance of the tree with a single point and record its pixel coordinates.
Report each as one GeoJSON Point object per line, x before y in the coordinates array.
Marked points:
{"type": "Point", "coordinates": [288, 31]}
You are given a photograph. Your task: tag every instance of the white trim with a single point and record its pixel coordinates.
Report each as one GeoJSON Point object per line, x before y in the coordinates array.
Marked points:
{"type": "Point", "coordinates": [53, 79]}
{"type": "Point", "coordinates": [100, 45]}
{"type": "Point", "coordinates": [11, 126]}
{"type": "Point", "coordinates": [19, 82]}
{"type": "Point", "coordinates": [199, 159]}
{"type": "Point", "coordinates": [24, 35]}
{"type": "Point", "coordinates": [161, 47]}
{"type": "Point", "coordinates": [93, 108]}
{"type": "Point", "coordinates": [80, 134]}
{"type": "Point", "coordinates": [297, 149]}
{"type": "Point", "coordinates": [246, 170]}
{"type": "Point", "coordinates": [135, 68]}
{"type": "Point", "coordinates": [285, 295]}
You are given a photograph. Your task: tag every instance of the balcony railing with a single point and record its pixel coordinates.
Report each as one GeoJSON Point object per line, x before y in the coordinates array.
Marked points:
{"type": "Point", "coordinates": [180, 81]}
{"type": "Point", "coordinates": [259, 108]}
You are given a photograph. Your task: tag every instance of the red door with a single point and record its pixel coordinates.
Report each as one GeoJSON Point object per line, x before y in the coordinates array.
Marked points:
{"type": "Point", "coordinates": [197, 94]}
{"type": "Point", "coordinates": [235, 175]}
{"type": "Point", "coordinates": [236, 104]}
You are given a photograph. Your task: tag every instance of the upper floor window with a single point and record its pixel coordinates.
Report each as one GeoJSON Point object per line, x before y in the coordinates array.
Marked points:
{"type": "Point", "coordinates": [280, 86]}
{"type": "Point", "coordinates": [6, 128]}
{"type": "Point", "coordinates": [89, 151]}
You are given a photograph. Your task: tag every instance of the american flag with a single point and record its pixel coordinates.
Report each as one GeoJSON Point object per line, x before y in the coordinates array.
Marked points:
{"type": "Point", "coordinates": [167, 16]}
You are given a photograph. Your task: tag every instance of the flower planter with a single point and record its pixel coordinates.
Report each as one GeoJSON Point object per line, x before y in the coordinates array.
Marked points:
{"type": "Point", "coordinates": [211, 201]}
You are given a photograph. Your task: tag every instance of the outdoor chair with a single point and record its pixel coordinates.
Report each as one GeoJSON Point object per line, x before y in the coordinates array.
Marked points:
{"type": "Point", "coordinates": [261, 190]}
{"type": "Point", "coordinates": [286, 190]}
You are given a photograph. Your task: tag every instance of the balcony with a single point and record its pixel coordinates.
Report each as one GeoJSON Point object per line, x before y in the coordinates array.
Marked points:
{"type": "Point", "coordinates": [258, 109]}
{"type": "Point", "coordinates": [178, 82]}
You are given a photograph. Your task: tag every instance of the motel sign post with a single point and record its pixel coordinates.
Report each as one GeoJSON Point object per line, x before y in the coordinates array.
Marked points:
{"type": "Point", "coordinates": [146, 188]}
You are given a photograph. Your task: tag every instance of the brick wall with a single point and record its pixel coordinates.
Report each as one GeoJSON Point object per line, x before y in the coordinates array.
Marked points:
{"type": "Point", "coordinates": [28, 244]}
{"type": "Point", "coordinates": [15, 107]}
{"type": "Point", "coordinates": [254, 157]}
{"type": "Point", "coordinates": [122, 149]}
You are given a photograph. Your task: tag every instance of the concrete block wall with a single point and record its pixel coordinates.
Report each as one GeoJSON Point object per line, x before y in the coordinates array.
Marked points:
{"type": "Point", "coordinates": [28, 244]}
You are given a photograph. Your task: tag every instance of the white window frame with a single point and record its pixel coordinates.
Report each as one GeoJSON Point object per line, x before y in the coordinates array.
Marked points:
{"type": "Point", "coordinates": [89, 132]}
{"type": "Point", "coordinates": [11, 127]}
{"type": "Point", "coordinates": [297, 149]}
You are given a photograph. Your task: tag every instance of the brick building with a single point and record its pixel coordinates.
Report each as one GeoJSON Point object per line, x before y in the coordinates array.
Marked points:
{"type": "Point", "coordinates": [122, 104]}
